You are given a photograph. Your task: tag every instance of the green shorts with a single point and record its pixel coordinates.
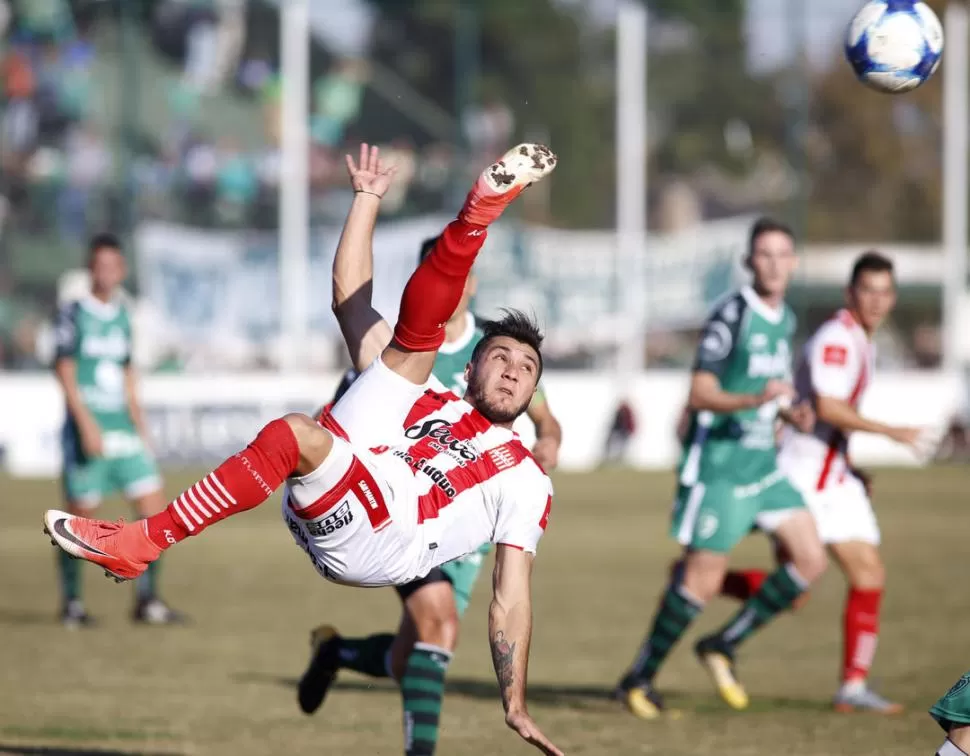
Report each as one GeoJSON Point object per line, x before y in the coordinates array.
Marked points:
{"type": "Point", "coordinates": [954, 707]}
{"type": "Point", "coordinates": [126, 467]}
{"type": "Point", "coordinates": [715, 515]}
{"type": "Point", "coordinates": [462, 574]}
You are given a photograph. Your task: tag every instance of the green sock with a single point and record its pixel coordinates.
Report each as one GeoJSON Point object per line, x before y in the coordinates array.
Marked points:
{"type": "Point", "coordinates": [677, 610]}
{"type": "Point", "coordinates": [777, 593]}
{"type": "Point", "coordinates": [366, 655]}
{"type": "Point", "coordinates": [146, 586]}
{"type": "Point", "coordinates": [69, 571]}
{"type": "Point", "coordinates": [422, 689]}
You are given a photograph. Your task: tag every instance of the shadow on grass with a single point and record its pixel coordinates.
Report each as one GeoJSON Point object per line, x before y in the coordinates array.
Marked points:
{"type": "Point", "coordinates": [43, 750]}
{"type": "Point", "coordinates": [571, 696]}
{"type": "Point", "coordinates": [15, 617]}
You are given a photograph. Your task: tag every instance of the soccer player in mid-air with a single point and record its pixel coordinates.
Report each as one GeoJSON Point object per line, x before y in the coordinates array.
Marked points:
{"type": "Point", "coordinates": [104, 440]}
{"type": "Point", "coordinates": [433, 604]}
{"type": "Point", "coordinates": [835, 370]}
{"type": "Point", "coordinates": [396, 479]}
{"type": "Point", "coordinates": [729, 479]}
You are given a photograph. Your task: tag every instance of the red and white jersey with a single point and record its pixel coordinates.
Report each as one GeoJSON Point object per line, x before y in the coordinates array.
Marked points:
{"type": "Point", "coordinates": [447, 481]}
{"type": "Point", "coordinates": [838, 362]}
{"type": "Point", "coordinates": [473, 482]}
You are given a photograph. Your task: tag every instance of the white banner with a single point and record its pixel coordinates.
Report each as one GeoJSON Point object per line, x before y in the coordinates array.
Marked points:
{"type": "Point", "coordinates": [215, 294]}
{"type": "Point", "coordinates": [197, 421]}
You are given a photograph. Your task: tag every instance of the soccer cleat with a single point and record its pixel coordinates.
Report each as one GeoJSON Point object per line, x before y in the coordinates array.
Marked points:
{"type": "Point", "coordinates": [74, 615]}
{"type": "Point", "coordinates": [718, 660]}
{"type": "Point", "coordinates": [861, 699]}
{"type": "Point", "coordinates": [639, 697]}
{"type": "Point", "coordinates": [122, 549]}
{"type": "Point", "coordinates": [320, 675]}
{"type": "Point", "coordinates": [154, 611]}
{"type": "Point", "coordinates": [503, 181]}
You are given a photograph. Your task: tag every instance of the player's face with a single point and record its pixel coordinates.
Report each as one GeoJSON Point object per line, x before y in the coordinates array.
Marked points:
{"type": "Point", "coordinates": [773, 261]}
{"type": "Point", "coordinates": [108, 270]}
{"type": "Point", "coordinates": [873, 298]}
{"type": "Point", "coordinates": [502, 381]}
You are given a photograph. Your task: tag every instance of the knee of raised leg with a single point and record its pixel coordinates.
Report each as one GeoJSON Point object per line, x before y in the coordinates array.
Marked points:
{"type": "Point", "coordinates": [440, 628]}
{"type": "Point", "coordinates": [313, 440]}
{"type": "Point", "coordinates": [703, 580]}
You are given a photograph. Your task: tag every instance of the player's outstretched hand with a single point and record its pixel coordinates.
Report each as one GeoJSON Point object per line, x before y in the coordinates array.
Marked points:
{"type": "Point", "coordinates": [370, 175]}
{"type": "Point", "coordinates": [523, 724]}
{"type": "Point", "coordinates": [781, 390]}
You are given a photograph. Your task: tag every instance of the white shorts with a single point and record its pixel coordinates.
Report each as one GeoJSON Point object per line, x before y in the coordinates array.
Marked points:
{"type": "Point", "coordinates": [356, 514]}
{"type": "Point", "coordinates": [843, 512]}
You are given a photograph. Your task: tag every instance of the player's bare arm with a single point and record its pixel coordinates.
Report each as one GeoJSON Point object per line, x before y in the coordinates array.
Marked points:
{"type": "Point", "coordinates": [548, 433]}
{"type": "Point", "coordinates": [844, 416]}
{"type": "Point", "coordinates": [65, 370]}
{"type": "Point", "coordinates": [363, 328]}
{"type": "Point", "coordinates": [706, 394]}
{"type": "Point", "coordinates": [134, 404]}
{"type": "Point", "coordinates": [509, 633]}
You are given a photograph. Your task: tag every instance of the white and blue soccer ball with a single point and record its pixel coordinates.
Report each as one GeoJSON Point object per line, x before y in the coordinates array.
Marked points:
{"type": "Point", "coordinates": [894, 45]}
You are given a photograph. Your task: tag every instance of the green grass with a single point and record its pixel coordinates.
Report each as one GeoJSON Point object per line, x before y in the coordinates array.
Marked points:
{"type": "Point", "coordinates": [224, 685]}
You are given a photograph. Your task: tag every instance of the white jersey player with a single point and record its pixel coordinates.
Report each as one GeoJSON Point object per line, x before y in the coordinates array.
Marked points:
{"type": "Point", "coordinates": [835, 370]}
{"type": "Point", "coordinates": [398, 478]}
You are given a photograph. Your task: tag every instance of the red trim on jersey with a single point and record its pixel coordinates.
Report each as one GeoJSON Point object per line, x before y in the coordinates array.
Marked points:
{"type": "Point", "coordinates": [544, 520]}
{"type": "Point", "coordinates": [429, 402]}
{"type": "Point", "coordinates": [359, 482]}
{"type": "Point", "coordinates": [511, 546]}
{"type": "Point", "coordinates": [327, 421]}
{"type": "Point", "coordinates": [488, 465]}
{"type": "Point", "coordinates": [838, 439]}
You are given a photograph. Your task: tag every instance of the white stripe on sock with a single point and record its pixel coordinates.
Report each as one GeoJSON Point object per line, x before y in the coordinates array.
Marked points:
{"type": "Point", "coordinates": [188, 508]}
{"type": "Point", "coordinates": [201, 493]}
{"type": "Point", "coordinates": [185, 520]}
{"type": "Point", "coordinates": [190, 494]}
{"type": "Point", "coordinates": [222, 488]}
{"type": "Point", "coordinates": [216, 497]}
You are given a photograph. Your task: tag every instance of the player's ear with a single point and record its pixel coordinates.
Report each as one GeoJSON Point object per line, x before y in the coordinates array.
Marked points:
{"type": "Point", "coordinates": [468, 372]}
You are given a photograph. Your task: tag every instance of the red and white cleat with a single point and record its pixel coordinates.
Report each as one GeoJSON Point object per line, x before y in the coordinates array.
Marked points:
{"type": "Point", "coordinates": [503, 181]}
{"type": "Point", "coordinates": [123, 549]}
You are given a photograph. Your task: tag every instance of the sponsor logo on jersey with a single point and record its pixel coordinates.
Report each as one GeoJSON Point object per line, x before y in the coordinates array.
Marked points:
{"type": "Point", "coordinates": [111, 346]}
{"type": "Point", "coordinates": [758, 341]}
{"type": "Point", "coordinates": [716, 342]}
{"type": "Point", "coordinates": [502, 457]}
{"type": "Point", "coordinates": [332, 522]}
{"type": "Point", "coordinates": [770, 365]}
{"type": "Point", "coordinates": [442, 439]}
{"type": "Point", "coordinates": [439, 478]}
{"type": "Point", "coordinates": [834, 354]}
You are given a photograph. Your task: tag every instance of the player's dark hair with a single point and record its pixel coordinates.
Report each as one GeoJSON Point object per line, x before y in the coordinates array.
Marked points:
{"type": "Point", "coordinates": [765, 225]}
{"type": "Point", "coordinates": [870, 262]}
{"type": "Point", "coordinates": [516, 325]}
{"type": "Point", "coordinates": [103, 240]}
{"type": "Point", "coordinates": [426, 246]}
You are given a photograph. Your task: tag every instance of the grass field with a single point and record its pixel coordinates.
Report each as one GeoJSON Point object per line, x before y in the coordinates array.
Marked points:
{"type": "Point", "coordinates": [225, 684]}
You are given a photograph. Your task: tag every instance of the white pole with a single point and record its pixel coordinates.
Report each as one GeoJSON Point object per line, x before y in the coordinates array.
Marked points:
{"type": "Point", "coordinates": [294, 190]}
{"type": "Point", "coordinates": [956, 121]}
{"type": "Point", "coordinates": [631, 177]}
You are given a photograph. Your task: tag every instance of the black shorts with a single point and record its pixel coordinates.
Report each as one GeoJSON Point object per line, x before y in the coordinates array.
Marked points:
{"type": "Point", "coordinates": [437, 575]}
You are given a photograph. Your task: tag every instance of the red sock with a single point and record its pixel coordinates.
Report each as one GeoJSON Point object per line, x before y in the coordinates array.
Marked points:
{"type": "Point", "coordinates": [861, 633]}
{"type": "Point", "coordinates": [242, 482]}
{"type": "Point", "coordinates": [742, 584]}
{"type": "Point", "coordinates": [434, 290]}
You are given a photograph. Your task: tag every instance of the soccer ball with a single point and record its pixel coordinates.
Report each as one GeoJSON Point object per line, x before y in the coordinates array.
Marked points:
{"type": "Point", "coordinates": [894, 45]}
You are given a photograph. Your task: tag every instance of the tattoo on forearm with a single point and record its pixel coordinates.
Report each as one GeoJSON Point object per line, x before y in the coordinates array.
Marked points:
{"type": "Point", "coordinates": [503, 653]}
